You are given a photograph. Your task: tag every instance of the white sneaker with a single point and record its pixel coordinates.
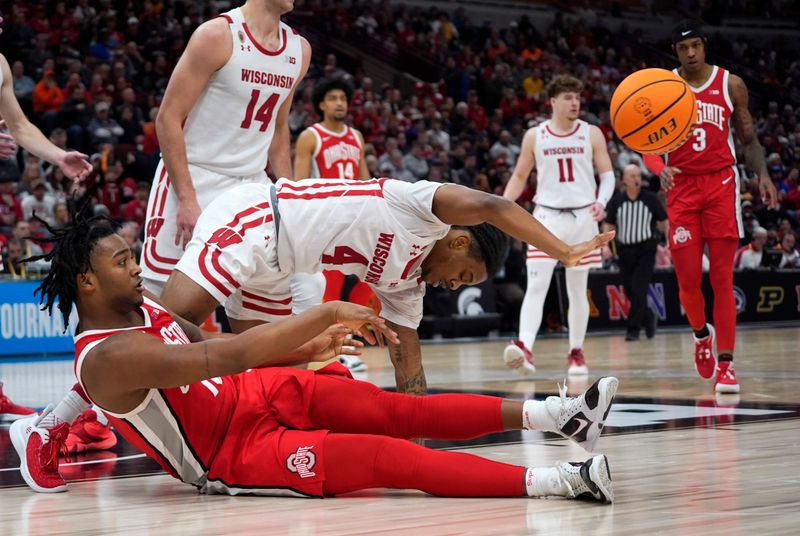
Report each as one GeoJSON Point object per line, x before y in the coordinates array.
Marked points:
{"type": "Point", "coordinates": [352, 363]}
{"type": "Point", "coordinates": [581, 418]}
{"type": "Point", "coordinates": [518, 358]}
{"type": "Point", "coordinates": [589, 480]}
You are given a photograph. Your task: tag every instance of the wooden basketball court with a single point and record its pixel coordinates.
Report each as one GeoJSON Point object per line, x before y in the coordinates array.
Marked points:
{"type": "Point", "coordinates": [683, 461]}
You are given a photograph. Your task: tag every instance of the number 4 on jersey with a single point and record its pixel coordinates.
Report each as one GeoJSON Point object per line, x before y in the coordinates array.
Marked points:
{"type": "Point", "coordinates": [264, 113]}
{"type": "Point", "coordinates": [344, 255]}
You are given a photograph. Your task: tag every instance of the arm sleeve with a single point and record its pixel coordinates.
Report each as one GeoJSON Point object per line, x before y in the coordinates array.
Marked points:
{"type": "Point", "coordinates": [606, 190]}
{"type": "Point", "coordinates": [654, 163]}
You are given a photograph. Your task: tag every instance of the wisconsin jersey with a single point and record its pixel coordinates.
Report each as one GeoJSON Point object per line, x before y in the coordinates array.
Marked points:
{"type": "Point", "coordinates": [181, 428]}
{"type": "Point", "coordinates": [230, 127]}
{"type": "Point", "coordinates": [565, 167]}
{"type": "Point", "coordinates": [710, 148]}
{"type": "Point", "coordinates": [336, 155]}
{"type": "Point", "coordinates": [379, 230]}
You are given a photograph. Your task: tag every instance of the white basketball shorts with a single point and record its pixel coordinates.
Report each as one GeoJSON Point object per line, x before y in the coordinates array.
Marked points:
{"type": "Point", "coordinates": [573, 227]}
{"type": "Point", "coordinates": [233, 255]}
{"type": "Point", "coordinates": [160, 255]}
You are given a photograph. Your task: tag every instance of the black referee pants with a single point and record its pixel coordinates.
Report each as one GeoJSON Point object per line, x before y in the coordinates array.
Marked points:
{"type": "Point", "coordinates": [636, 263]}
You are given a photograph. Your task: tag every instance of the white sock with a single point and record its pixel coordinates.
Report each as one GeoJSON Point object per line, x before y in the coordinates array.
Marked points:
{"type": "Point", "coordinates": [536, 417]}
{"type": "Point", "coordinates": [530, 313]}
{"type": "Point", "coordinates": [578, 313]}
{"type": "Point", "coordinates": [67, 411]}
{"type": "Point", "coordinates": [544, 482]}
{"type": "Point", "coordinates": [101, 417]}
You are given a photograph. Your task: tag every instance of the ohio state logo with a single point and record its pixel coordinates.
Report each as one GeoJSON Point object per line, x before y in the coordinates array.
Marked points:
{"type": "Point", "coordinates": [681, 235]}
{"type": "Point", "coordinates": [302, 461]}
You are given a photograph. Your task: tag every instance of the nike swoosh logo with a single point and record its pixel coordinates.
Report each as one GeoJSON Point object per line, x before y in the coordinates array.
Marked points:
{"type": "Point", "coordinates": [726, 181]}
{"type": "Point", "coordinates": [686, 33]}
{"type": "Point", "coordinates": [583, 424]}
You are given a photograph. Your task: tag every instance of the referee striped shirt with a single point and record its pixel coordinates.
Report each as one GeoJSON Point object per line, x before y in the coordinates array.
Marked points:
{"type": "Point", "coordinates": [635, 218]}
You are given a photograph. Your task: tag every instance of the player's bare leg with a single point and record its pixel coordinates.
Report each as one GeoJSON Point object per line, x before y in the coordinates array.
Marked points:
{"type": "Point", "coordinates": [188, 299]}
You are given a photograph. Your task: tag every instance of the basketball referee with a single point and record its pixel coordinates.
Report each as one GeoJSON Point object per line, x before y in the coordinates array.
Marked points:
{"type": "Point", "coordinates": [637, 215]}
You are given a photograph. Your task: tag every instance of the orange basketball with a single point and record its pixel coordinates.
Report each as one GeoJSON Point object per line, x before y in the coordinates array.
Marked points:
{"type": "Point", "coordinates": [653, 111]}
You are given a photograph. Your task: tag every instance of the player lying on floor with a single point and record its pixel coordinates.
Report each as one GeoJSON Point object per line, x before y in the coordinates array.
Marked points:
{"type": "Point", "coordinates": [218, 412]}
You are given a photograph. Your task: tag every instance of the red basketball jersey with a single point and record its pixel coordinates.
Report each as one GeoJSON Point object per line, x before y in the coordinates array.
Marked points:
{"type": "Point", "coordinates": [181, 428]}
{"type": "Point", "coordinates": [710, 147]}
{"type": "Point", "coordinates": [337, 155]}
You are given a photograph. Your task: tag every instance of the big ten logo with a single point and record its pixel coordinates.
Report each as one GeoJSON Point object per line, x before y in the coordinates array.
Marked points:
{"type": "Point", "coordinates": [768, 298]}
{"type": "Point", "coordinates": [740, 298]}
{"type": "Point", "coordinates": [468, 302]}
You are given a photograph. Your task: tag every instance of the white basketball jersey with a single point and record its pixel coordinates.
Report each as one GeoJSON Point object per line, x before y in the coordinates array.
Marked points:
{"type": "Point", "coordinates": [565, 167]}
{"type": "Point", "coordinates": [380, 230]}
{"type": "Point", "coordinates": [230, 128]}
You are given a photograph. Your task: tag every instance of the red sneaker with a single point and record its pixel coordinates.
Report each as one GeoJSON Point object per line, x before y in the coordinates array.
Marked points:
{"type": "Point", "coordinates": [726, 378]}
{"type": "Point", "coordinates": [88, 434]}
{"type": "Point", "coordinates": [518, 358]}
{"type": "Point", "coordinates": [705, 360]}
{"type": "Point", "coordinates": [576, 363]}
{"type": "Point", "coordinates": [10, 411]}
{"type": "Point", "coordinates": [38, 453]}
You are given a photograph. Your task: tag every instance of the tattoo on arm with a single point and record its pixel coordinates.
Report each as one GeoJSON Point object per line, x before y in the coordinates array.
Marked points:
{"type": "Point", "coordinates": [417, 385]}
{"type": "Point", "coordinates": [754, 157]}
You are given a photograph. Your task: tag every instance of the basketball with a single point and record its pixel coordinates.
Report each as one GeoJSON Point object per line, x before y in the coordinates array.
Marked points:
{"type": "Point", "coordinates": [653, 111]}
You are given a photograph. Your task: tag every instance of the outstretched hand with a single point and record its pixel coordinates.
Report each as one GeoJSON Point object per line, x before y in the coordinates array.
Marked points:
{"type": "Point", "coordinates": [336, 340]}
{"type": "Point", "coordinates": [364, 323]}
{"type": "Point", "coordinates": [579, 251]}
{"type": "Point", "coordinates": [75, 165]}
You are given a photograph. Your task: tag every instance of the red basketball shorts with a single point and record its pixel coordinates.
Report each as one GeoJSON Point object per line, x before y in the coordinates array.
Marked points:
{"type": "Point", "coordinates": [269, 448]}
{"type": "Point", "coordinates": [704, 206]}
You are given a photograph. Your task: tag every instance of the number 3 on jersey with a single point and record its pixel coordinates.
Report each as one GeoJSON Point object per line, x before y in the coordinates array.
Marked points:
{"type": "Point", "coordinates": [699, 139]}
{"type": "Point", "coordinates": [264, 113]}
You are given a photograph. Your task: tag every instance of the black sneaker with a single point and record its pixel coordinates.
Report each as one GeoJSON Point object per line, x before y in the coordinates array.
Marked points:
{"type": "Point", "coordinates": [632, 335]}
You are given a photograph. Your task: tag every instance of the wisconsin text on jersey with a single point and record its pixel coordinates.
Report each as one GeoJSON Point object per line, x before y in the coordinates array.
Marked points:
{"type": "Point", "coordinates": [379, 256]}
{"type": "Point", "coordinates": [563, 150]}
{"type": "Point", "coordinates": [267, 79]}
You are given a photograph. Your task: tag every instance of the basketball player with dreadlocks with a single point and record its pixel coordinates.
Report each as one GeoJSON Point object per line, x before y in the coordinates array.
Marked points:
{"type": "Point", "coordinates": [30, 138]}
{"type": "Point", "coordinates": [702, 184]}
{"type": "Point", "coordinates": [222, 413]}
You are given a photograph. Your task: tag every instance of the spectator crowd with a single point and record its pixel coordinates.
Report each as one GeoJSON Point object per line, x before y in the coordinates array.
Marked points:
{"type": "Point", "coordinates": [91, 75]}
